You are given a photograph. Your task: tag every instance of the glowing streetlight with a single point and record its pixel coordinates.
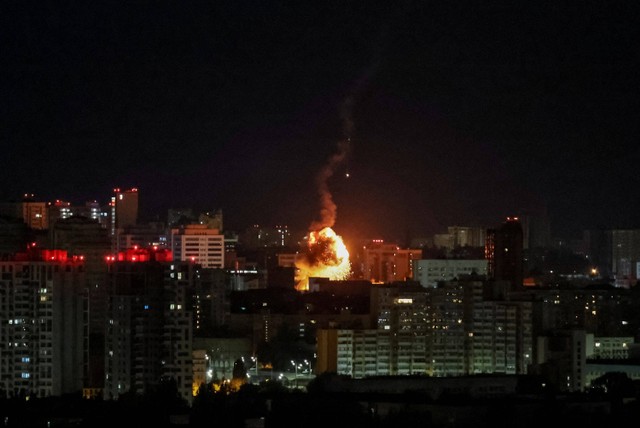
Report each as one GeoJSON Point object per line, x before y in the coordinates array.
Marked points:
{"type": "Point", "coordinates": [255, 362]}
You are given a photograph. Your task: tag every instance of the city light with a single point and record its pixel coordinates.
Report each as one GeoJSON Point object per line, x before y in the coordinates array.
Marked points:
{"type": "Point", "coordinates": [488, 242]}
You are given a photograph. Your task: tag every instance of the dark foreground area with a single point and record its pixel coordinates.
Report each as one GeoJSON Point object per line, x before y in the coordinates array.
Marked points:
{"type": "Point", "coordinates": [271, 405]}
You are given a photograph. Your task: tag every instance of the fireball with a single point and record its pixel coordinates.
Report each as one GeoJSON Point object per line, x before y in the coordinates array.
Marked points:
{"type": "Point", "coordinates": [325, 256]}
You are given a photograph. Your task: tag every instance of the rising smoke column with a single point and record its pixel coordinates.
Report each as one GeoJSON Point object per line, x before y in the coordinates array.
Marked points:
{"type": "Point", "coordinates": [328, 208]}
{"type": "Point", "coordinates": [326, 254]}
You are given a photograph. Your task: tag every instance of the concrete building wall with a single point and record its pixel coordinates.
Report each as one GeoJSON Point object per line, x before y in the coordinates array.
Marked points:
{"type": "Point", "coordinates": [42, 327]}
{"type": "Point", "coordinates": [428, 272]}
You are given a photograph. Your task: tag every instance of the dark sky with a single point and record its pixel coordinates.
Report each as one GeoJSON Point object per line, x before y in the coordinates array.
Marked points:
{"type": "Point", "coordinates": [459, 113]}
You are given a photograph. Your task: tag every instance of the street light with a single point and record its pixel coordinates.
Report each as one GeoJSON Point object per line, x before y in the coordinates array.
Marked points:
{"type": "Point", "coordinates": [255, 361]}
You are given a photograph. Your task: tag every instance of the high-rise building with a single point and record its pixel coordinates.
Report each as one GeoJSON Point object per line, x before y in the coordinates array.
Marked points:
{"type": "Point", "coordinates": [403, 311]}
{"type": "Point", "coordinates": [124, 209]}
{"type": "Point", "coordinates": [454, 329]}
{"type": "Point", "coordinates": [210, 301]}
{"type": "Point", "coordinates": [460, 236]}
{"type": "Point", "coordinates": [34, 213]}
{"type": "Point", "coordinates": [562, 357]}
{"type": "Point", "coordinates": [599, 251]}
{"type": "Point", "coordinates": [447, 351]}
{"type": "Point", "coordinates": [199, 244]}
{"type": "Point", "coordinates": [61, 210]}
{"type": "Point", "coordinates": [146, 235]}
{"type": "Point", "coordinates": [429, 272]}
{"type": "Point", "coordinates": [14, 235]}
{"type": "Point", "coordinates": [79, 235]}
{"type": "Point", "coordinates": [257, 236]}
{"type": "Point", "coordinates": [500, 337]}
{"type": "Point", "coordinates": [599, 310]}
{"type": "Point", "coordinates": [536, 230]}
{"type": "Point", "coordinates": [58, 210]}
{"type": "Point", "coordinates": [625, 247]}
{"type": "Point", "coordinates": [386, 263]}
{"type": "Point", "coordinates": [42, 324]}
{"type": "Point", "coordinates": [503, 250]}
{"type": "Point", "coordinates": [364, 352]}
{"type": "Point", "coordinates": [149, 324]}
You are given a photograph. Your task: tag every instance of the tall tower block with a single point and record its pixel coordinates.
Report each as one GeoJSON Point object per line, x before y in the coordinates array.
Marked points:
{"type": "Point", "coordinates": [124, 209]}
{"type": "Point", "coordinates": [503, 251]}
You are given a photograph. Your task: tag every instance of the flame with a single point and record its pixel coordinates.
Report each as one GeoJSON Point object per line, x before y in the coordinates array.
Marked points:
{"type": "Point", "coordinates": [325, 256]}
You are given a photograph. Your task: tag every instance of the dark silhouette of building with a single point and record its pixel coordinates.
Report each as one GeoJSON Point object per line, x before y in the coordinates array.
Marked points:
{"type": "Point", "coordinates": [149, 328]}
{"type": "Point", "coordinates": [82, 236]}
{"type": "Point", "coordinates": [209, 301]}
{"type": "Point", "coordinates": [503, 250]}
{"type": "Point", "coordinates": [124, 209]}
{"type": "Point", "coordinates": [14, 235]}
{"type": "Point", "coordinates": [598, 243]}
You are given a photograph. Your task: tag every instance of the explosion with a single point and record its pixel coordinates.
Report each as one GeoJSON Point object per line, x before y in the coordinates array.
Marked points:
{"type": "Point", "coordinates": [325, 256]}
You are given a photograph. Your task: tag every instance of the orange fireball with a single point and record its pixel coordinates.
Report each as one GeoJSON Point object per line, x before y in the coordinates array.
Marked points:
{"type": "Point", "coordinates": [325, 256]}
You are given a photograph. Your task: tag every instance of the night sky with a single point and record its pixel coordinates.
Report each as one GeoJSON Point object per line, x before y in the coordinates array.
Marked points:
{"type": "Point", "coordinates": [459, 113]}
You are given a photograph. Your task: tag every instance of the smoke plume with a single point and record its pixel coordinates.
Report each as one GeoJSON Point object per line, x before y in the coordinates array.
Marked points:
{"type": "Point", "coordinates": [328, 208]}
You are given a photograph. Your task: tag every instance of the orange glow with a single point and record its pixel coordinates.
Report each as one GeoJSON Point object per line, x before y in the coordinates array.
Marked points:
{"type": "Point", "coordinates": [326, 256]}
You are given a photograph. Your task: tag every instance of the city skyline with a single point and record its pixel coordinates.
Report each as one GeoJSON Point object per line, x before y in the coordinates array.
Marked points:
{"type": "Point", "coordinates": [455, 114]}
{"type": "Point", "coordinates": [191, 213]}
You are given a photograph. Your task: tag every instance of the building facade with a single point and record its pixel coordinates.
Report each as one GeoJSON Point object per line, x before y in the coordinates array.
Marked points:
{"type": "Point", "coordinates": [149, 327]}
{"type": "Point", "coordinates": [454, 329]}
{"type": "Point", "coordinates": [124, 209]}
{"type": "Point", "coordinates": [504, 252]}
{"type": "Point", "coordinates": [384, 263]}
{"type": "Point", "coordinates": [84, 236]}
{"type": "Point", "coordinates": [625, 248]}
{"type": "Point", "coordinates": [429, 272]}
{"type": "Point", "coordinates": [43, 325]}
{"type": "Point", "coordinates": [197, 243]}
{"type": "Point", "coordinates": [460, 236]}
